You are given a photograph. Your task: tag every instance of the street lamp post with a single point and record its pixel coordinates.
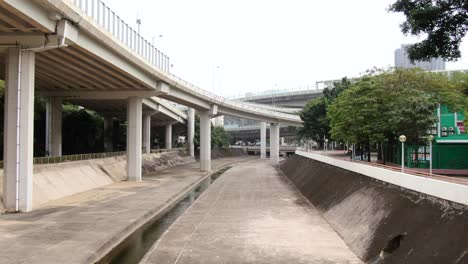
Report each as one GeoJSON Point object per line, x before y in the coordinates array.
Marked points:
{"type": "Point", "coordinates": [430, 138]}
{"type": "Point", "coordinates": [138, 21]}
{"type": "Point", "coordinates": [402, 139]}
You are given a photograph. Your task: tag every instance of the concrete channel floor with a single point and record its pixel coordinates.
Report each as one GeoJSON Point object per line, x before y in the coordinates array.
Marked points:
{"type": "Point", "coordinates": [251, 214]}
{"type": "Point", "coordinates": [79, 228]}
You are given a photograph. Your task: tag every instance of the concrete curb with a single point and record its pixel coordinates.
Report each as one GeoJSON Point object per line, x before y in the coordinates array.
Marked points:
{"type": "Point", "coordinates": [157, 212]}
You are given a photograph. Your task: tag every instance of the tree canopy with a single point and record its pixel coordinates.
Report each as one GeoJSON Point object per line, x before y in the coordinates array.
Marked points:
{"type": "Point", "coordinates": [444, 22]}
{"type": "Point", "coordinates": [382, 105]}
{"type": "Point", "coordinates": [314, 114]}
{"type": "Point", "coordinates": [219, 137]}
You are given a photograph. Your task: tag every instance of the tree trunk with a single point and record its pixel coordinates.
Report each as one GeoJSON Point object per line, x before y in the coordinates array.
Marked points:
{"type": "Point", "coordinates": [383, 153]}
{"type": "Point", "coordinates": [368, 151]}
{"type": "Point", "coordinates": [361, 151]}
{"type": "Point", "coordinates": [416, 156]}
{"type": "Point", "coordinates": [379, 152]}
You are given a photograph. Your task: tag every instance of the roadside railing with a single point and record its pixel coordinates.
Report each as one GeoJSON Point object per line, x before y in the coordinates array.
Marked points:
{"type": "Point", "coordinates": [88, 156]}
{"type": "Point", "coordinates": [167, 150]}
{"type": "Point", "coordinates": [74, 157]}
{"type": "Point", "coordinates": [111, 22]}
{"type": "Point", "coordinates": [106, 18]}
{"type": "Point", "coordinates": [220, 100]}
{"type": "Point", "coordinates": [77, 157]}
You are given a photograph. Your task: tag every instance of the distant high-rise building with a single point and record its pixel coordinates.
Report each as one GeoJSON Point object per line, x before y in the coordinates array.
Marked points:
{"type": "Point", "coordinates": [402, 61]}
{"type": "Point", "coordinates": [218, 121]}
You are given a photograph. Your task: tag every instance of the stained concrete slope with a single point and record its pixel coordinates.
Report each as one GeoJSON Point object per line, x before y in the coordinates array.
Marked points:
{"type": "Point", "coordinates": [82, 227]}
{"type": "Point", "coordinates": [251, 214]}
{"type": "Point", "coordinates": [381, 222]}
{"type": "Point", "coordinates": [55, 181]}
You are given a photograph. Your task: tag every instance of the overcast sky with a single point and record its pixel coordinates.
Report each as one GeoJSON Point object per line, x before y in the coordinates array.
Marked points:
{"type": "Point", "coordinates": [234, 47]}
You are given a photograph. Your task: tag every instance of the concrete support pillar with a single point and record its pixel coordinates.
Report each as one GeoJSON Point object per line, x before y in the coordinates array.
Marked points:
{"type": "Point", "coordinates": [134, 121]}
{"type": "Point", "coordinates": [274, 143]}
{"type": "Point", "coordinates": [18, 130]}
{"type": "Point", "coordinates": [191, 131]}
{"type": "Point", "coordinates": [168, 136]}
{"type": "Point", "coordinates": [205, 141]}
{"type": "Point", "coordinates": [263, 140]}
{"type": "Point", "coordinates": [108, 133]}
{"type": "Point", "coordinates": [147, 134]}
{"type": "Point", "coordinates": [54, 127]}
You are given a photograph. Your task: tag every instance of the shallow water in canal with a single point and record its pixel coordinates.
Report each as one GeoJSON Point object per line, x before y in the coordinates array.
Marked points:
{"type": "Point", "coordinates": [134, 248]}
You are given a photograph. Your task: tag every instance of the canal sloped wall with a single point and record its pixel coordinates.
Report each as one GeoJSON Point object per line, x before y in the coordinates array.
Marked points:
{"type": "Point", "coordinates": [219, 153]}
{"type": "Point", "coordinates": [382, 222]}
{"type": "Point", "coordinates": [55, 181]}
{"type": "Point", "coordinates": [227, 152]}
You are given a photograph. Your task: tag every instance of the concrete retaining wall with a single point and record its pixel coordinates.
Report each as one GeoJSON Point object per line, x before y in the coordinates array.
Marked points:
{"type": "Point", "coordinates": [223, 153]}
{"type": "Point", "coordinates": [227, 152]}
{"type": "Point", "coordinates": [372, 215]}
{"type": "Point", "coordinates": [54, 181]}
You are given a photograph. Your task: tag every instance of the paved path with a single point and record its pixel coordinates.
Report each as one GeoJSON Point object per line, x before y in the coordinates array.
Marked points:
{"type": "Point", "coordinates": [251, 214]}
{"type": "Point", "coordinates": [79, 228]}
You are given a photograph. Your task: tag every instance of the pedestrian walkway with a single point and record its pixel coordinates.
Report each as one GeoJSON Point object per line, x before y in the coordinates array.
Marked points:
{"type": "Point", "coordinates": [83, 227]}
{"type": "Point", "coordinates": [251, 214]}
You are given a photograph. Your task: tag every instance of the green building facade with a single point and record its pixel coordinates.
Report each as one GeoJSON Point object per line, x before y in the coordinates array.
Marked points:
{"type": "Point", "coordinates": [449, 148]}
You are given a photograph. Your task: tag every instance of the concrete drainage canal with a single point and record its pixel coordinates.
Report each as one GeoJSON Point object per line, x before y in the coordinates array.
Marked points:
{"type": "Point", "coordinates": [134, 247]}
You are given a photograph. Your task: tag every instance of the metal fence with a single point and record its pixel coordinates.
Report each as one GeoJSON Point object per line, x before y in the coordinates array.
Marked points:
{"type": "Point", "coordinates": [77, 157]}
{"type": "Point", "coordinates": [220, 100]}
{"type": "Point", "coordinates": [74, 157]}
{"type": "Point", "coordinates": [88, 156]}
{"type": "Point", "coordinates": [167, 150]}
{"type": "Point", "coordinates": [107, 19]}
{"type": "Point", "coordinates": [445, 156]}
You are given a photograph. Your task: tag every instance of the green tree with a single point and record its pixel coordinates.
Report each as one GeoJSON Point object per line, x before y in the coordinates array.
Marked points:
{"type": "Point", "coordinates": [316, 125]}
{"type": "Point", "coordinates": [385, 104]}
{"type": "Point", "coordinates": [314, 114]}
{"type": "Point", "coordinates": [83, 131]}
{"type": "Point", "coordinates": [444, 22]}
{"type": "Point", "coordinates": [219, 137]}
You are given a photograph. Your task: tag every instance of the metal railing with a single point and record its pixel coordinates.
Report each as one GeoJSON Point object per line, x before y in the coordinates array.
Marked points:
{"type": "Point", "coordinates": [220, 100]}
{"type": "Point", "coordinates": [74, 157]}
{"type": "Point", "coordinates": [111, 22]}
{"type": "Point", "coordinates": [168, 150]}
{"type": "Point", "coordinates": [88, 156]}
{"type": "Point", "coordinates": [77, 157]}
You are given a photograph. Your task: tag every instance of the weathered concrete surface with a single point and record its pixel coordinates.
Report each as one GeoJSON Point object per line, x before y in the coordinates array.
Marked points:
{"type": "Point", "coordinates": [55, 181]}
{"type": "Point", "coordinates": [251, 214]}
{"type": "Point", "coordinates": [369, 213]}
{"type": "Point", "coordinates": [224, 153]}
{"type": "Point", "coordinates": [83, 227]}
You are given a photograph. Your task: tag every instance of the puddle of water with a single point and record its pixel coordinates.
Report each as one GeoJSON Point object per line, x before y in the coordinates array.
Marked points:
{"type": "Point", "coordinates": [134, 248]}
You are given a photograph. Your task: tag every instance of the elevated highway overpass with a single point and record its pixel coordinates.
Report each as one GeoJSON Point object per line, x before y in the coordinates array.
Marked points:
{"type": "Point", "coordinates": [287, 99]}
{"type": "Point", "coordinates": [81, 51]}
